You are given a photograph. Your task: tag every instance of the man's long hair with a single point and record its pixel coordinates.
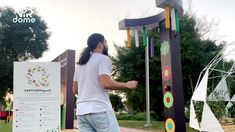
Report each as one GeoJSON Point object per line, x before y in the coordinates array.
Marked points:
{"type": "Point", "coordinates": [92, 42]}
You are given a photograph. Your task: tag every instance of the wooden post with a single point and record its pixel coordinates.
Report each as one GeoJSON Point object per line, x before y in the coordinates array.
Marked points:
{"type": "Point", "coordinates": [67, 60]}
{"type": "Point", "coordinates": [173, 98]}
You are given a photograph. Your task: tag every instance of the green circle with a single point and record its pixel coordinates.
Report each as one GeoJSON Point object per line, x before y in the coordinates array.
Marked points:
{"type": "Point", "coordinates": [170, 103]}
{"type": "Point", "coordinates": [165, 48]}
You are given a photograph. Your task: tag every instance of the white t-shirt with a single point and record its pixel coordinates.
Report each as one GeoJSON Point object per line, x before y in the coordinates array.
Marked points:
{"type": "Point", "coordinates": [92, 98]}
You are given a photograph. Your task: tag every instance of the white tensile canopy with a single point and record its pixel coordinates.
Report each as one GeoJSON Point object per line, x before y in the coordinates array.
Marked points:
{"type": "Point", "coordinates": [220, 93]}
{"type": "Point", "coordinates": [209, 122]}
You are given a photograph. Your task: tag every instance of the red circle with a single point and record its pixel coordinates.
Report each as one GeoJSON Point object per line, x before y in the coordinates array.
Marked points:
{"type": "Point", "coordinates": [166, 88]}
{"type": "Point", "coordinates": [166, 69]}
{"type": "Point", "coordinates": [168, 99]}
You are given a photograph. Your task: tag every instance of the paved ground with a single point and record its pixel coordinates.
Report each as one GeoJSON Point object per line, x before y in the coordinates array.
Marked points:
{"type": "Point", "coordinates": [122, 130]}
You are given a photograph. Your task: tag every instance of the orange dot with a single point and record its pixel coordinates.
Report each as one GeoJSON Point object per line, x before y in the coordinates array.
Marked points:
{"type": "Point", "coordinates": [168, 99]}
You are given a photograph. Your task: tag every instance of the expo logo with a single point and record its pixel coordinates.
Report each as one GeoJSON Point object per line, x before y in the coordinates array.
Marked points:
{"type": "Point", "coordinates": [24, 16]}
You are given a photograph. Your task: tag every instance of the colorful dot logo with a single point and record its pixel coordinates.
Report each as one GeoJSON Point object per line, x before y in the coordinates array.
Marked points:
{"type": "Point", "coordinates": [168, 100]}
{"type": "Point", "coordinates": [166, 73]}
{"type": "Point", "coordinates": [170, 125]}
{"type": "Point", "coordinates": [165, 48]}
{"type": "Point", "coordinates": [37, 76]}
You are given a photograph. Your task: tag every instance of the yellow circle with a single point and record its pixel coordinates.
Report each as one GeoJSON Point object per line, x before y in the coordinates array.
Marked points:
{"type": "Point", "coordinates": [170, 125]}
{"type": "Point", "coordinates": [166, 72]}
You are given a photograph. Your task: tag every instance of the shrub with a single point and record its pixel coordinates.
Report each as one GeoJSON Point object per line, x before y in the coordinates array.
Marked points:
{"type": "Point", "coordinates": [154, 116]}
{"type": "Point", "coordinates": [141, 116]}
{"type": "Point", "coordinates": [231, 111]}
{"type": "Point", "coordinates": [124, 116]}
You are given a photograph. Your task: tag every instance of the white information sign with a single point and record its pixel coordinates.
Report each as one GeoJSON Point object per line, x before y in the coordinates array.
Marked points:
{"type": "Point", "coordinates": [36, 106]}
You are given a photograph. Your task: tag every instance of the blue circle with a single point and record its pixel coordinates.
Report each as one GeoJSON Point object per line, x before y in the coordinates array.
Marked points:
{"type": "Point", "coordinates": [170, 126]}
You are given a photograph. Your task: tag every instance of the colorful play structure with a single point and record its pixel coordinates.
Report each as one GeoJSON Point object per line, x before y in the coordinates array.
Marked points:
{"type": "Point", "coordinates": [167, 24]}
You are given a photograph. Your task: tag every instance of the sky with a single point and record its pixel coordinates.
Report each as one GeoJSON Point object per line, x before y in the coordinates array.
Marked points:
{"type": "Point", "coordinates": [72, 21]}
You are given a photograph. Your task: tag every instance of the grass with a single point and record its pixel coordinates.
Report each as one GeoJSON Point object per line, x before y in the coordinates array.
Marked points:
{"type": "Point", "coordinates": [5, 127]}
{"type": "Point", "coordinates": [156, 125]}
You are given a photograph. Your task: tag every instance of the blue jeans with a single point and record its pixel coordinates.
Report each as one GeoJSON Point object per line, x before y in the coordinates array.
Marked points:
{"type": "Point", "coordinates": [98, 122]}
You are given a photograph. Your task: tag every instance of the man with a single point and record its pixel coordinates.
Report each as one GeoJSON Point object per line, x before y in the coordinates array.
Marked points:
{"type": "Point", "coordinates": [92, 80]}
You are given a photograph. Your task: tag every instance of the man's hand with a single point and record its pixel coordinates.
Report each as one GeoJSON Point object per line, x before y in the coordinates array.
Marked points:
{"type": "Point", "coordinates": [132, 84]}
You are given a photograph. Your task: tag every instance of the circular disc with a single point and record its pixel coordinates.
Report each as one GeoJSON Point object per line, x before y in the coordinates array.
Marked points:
{"type": "Point", "coordinates": [166, 73]}
{"type": "Point", "coordinates": [170, 125]}
{"type": "Point", "coordinates": [168, 100]}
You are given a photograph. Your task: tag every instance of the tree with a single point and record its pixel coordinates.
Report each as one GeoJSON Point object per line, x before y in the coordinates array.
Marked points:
{"type": "Point", "coordinates": [116, 102]}
{"type": "Point", "coordinates": [196, 52]}
{"type": "Point", "coordinates": [195, 55]}
{"type": "Point", "coordinates": [19, 42]}
{"type": "Point", "coordinates": [130, 64]}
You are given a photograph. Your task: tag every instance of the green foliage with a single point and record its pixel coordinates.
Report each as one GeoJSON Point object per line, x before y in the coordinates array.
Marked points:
{"type": "Point", "coordinates": [141, 116]}
{"type": "Point", "coordinates": [129, 64]}
{"type": "Point", "coordinates": [153, 116]}
{"type": "Point", "coordinates": [224, 66]}
{"type": "Point", "coordinates": [187, 111]}
{"type": "Point", "coordinates": [231, 111]}
{"type": "Point", "coordinates": [198, 110]}
{"type": "Point", "coordinates": [195, 53]}
{"type": "Point", "coordinates": [124, 116]}
{"type": "Point", "coordinates": [19, 42]}
{"type": "Point", "coordinates": [116, 102]}
{"type": "Point", "coordinates": [217, 107]}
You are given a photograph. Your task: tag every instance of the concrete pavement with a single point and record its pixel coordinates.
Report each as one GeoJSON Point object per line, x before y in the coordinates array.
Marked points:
{"type": "Point", "coordinates": [123, 129]}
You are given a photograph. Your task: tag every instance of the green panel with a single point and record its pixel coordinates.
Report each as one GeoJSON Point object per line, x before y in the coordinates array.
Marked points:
{"type": "Point", "coordinates": [177, 21]}
{"type": "Point", "coordinates": [144, 36]}
{"type": "Point", "coordinates": [63, 116]}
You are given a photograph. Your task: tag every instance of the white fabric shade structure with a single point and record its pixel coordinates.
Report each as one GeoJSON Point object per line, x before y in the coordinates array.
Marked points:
{"type": "Point", "coordinates": [233, 98]}
{"type": "Point", "coordinates": [193, 122]}
{"type": "Point", "coordinates": [200, 92]}
{"type": "Point", "coordinates": [209, 122]}
{"type": "Point", "coordinates": [220, 93]}
{"type": "Point", "coordinates": [229, 105]}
